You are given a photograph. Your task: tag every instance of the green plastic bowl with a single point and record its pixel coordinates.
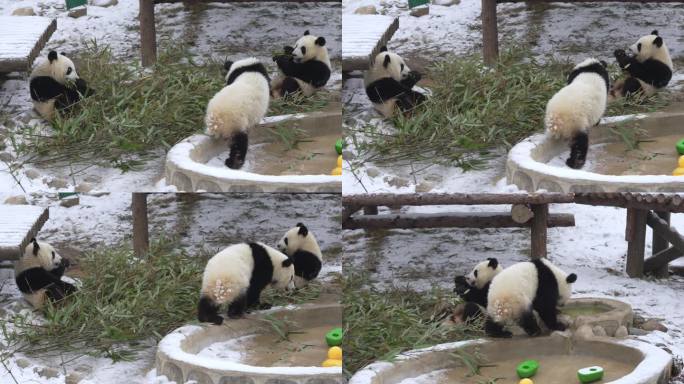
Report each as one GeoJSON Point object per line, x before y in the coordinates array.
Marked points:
{"type": "Point", "coordinates": [527, 368]}
{"type": "Point", "coordinates": [680, 147]}
{"type": "Point", "coordinates": [339, 144]}
{"type": "Point", "coordinates": [590, 374]}
{"type": "Point", "coordinates": [334, 337]}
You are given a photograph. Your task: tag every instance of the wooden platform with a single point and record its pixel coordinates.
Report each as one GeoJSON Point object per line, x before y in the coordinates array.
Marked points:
{"type": "Point", "coordinates": [18, 225]}
{"type": "Point", "coordinates": [362, 38]}
{"type": "Point", "coordinates": [21, 39]}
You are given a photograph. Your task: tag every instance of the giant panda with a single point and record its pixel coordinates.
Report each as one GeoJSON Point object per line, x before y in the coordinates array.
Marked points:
{"type": "Point", "coordinates": [38, 274]}
{"type": "Point", "coordinates": [523, 288]}
{"type": "Point", "coordinates": [301, 246]}
{"type": "Point", "coordinates": [55, 86]}
{"type": "Point", "coordinates": [237, 275]}
{"type": "Point", "coordinates": [473, 289]}
{"type": "Point", "coordinates": [649, 67]}
{"type": "Point", "coordinates": [239, 106]}
{"type": "Point", "coordinates": [304, 68]}
{"type": "Point", "coordinates": [577, 107]}
{"type": "Point", "coordinates": [389, 83]}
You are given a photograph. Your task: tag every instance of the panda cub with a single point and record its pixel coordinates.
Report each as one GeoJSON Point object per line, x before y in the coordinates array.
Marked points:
{"type": "Point", "coordinates": [301, 246]}
{"type": "Point", "coordinates": [38, 274]}
{"type": "Point", "coordinates": [239, 106]}
{"type": "Point", "coordinates": [473, 289]}
{"type": "Point", "coordinates": [237, 275]}
{"type": "Point", "coordinates": [649, 67]}
{"type": "Point", "coordinates": [523, 288]}
{"type": "Point", "coordinates": [55, 85]}
{"type": "Point", "coordinates": [389, 83]}
{"type": "Point", "coordinates": [305, 68]}
{"type": "Point", "coordinates": [577, 107]}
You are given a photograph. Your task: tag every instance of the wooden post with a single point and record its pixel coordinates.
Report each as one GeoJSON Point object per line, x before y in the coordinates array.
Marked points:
{"type": "Point", "coordinates": [148, 33]}
{"type": "Point", "coordinates": [635, 234]}
{"type": "Point", "coordinates": [660, 244]}
{"type": "Point", "coordinates": [538, 230]}
{"type": "Point", "coordinates": [141, 234]}
{"type": "Point", "coordinates": [370, 210]}
{"type": "Point", "coordinates": [490, 36]}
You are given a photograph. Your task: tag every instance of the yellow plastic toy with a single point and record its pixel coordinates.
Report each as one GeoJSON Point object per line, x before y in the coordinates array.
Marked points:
{"type": "Point", "coordinates": [679, 171]}
{"type": "Point", "coordinates": [334, 357]}
{"type": "Point", "coordinates": [525, 381]}
{"type": "Point", "coordinates": [337, 171]}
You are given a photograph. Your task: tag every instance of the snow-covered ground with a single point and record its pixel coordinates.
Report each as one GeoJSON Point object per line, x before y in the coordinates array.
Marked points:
{"type": "Point", "coordinates": [209, 30]}
{"type": "Point", "coordinates": [206, 221]}
{"type": "Point", "coordinates": [563, 30]}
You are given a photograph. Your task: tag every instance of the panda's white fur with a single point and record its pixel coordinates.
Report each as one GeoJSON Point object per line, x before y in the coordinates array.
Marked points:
{"type": "Point", "coordinates": [42, 256]}
{"type": "Point", "coordinates": [397, 69]}
{"type": "Point", "coordinates": [238, 106]}
{"type": "Point", "coordinates": [513, 291]}
{"type": "Point", "coordinates": [312, 51]}
{"type": "Point", "coordinates": [230, 274]}
{"type": "Point", "coordinates": [300, 244]}
{"type": "Point", "coordinates": [483, 274]}
{"type": "Point", "coordinates": [56, 69]}
{"type": "Point", "coordinates": [577, 106]}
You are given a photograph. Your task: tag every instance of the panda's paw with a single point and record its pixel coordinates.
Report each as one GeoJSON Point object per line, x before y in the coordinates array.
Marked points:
{"type": "Point", "coordinates": [575, 163]}
{"type": "Point", "coordinates": [559, 327]}
{"type": "Point", "coordinates": [263, 306]}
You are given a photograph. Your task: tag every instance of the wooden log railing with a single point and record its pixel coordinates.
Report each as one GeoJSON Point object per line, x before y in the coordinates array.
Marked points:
{"type": "Point", "coordinates": [643, 209]}
{"type": "Point", "coordinates": [490, 36]}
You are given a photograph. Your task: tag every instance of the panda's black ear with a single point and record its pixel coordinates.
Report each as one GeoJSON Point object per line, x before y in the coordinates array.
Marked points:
{"type": "Point", "coordinates": [493, 263]}
{"type": "Point", "coordinates": [287, 262]}
{"type": "Point", "coordinates": [571, 278]}
{"type": "Point", "coordinates": [36, 247]}
{"type": "Point", "coordinates": [303, 230]}
{"type": "Point", "coordinates": [227, 64]}
{"type": "Point", "coordinates": [299, 224]}
{"type": "Point", "coordinates": [658, 41]}
{"type": "Point", "coordinates": [603, 62]}
{"type": "Point", "coordinates": [320, 41]}
{"type": "Point", "coordinates": [306, 32]}
{"type": "Point", "coordinates": [52, 56]}
{"type": "Point", "coordinates": [654, 32]}
{"type": "Point", "coordinates": [386, 62]}
{"type": "Point", "coordinates": [383, 48]}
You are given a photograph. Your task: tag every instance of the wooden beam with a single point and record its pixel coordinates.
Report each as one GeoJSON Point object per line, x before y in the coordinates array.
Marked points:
{"type": "Point", "coordinates": [656, 262]}
{"type": "Point", "coordinates": [665, 231]}
{"type": "Point", "coordinates": [141, 234]}
{"type": "Point", "coordinates": [370, 210]}
{"type": "Point", "coordinates": [389, 199]}
{"type": "Point", "coordinates": [251, 1]}
{"type": "Point", "coordinates": [538, 230]}
{"type": "Point", "coordinates": [635, 234]}
{"type": "Point", "coordinates": [490, 34]}
{"type": "Point", "coordinates": [449, 220]}
{"type": "Point", "coordinates": [592, 1]}
{"type": "Point", "coordinates": [646, 201]}
{"type": "Point", "coordinates": [148, 33]}
{"type": "Point", "coordinates": [659, 245]}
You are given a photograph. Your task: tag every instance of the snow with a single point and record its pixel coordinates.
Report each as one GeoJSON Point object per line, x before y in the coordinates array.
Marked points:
{"type": "Point", "coordinates": [209, 30]}
{"type": "Point", "coordinates": [232, 349]}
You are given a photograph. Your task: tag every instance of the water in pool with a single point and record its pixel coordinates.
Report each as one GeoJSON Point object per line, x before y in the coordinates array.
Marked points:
{"type": "Point", "coordinates": [556, 369]}
{"type": "Point", "coordinates": [584, 310]}
{"type": "Point", "coordinates": [313, 156]}
{"type": "Point", "coordinates": [304, 348]}
{"type": "Point", "coordinates": [654, 156]}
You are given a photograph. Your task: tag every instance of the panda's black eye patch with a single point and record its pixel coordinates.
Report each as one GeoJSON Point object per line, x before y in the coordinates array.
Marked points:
{"type": "Point", "coordinates": [53, 255]}
{"type": "Point", "coordinates": [475, 273]}
{"type": "Point", "coordinates": [303, 50]}
{"type": "Point", "coordinates": [286, 241]}
{"type": "Point", "coordinates": [402, 67]}
{"type": "Point", "coordinates": [69, 71]}
{"type": "Point", "coordinates": [639, 47]}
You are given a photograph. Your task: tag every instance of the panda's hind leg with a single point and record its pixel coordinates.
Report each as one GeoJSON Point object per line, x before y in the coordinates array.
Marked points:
{"type": "Point", "coordinates": [495, 329]}
{"type": "Point", "coordinates": [578, 150]}
{"type": "Point", "coordinates": [550, 317]}
{"type": "Point", "coordinates": [289, 86]}
{"type": "Point", "coordinates": [529, 323]}
{"type": "Point", "coordinates": [207, 311]}
{"type": "Point", "coordinates": [238, 150]}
